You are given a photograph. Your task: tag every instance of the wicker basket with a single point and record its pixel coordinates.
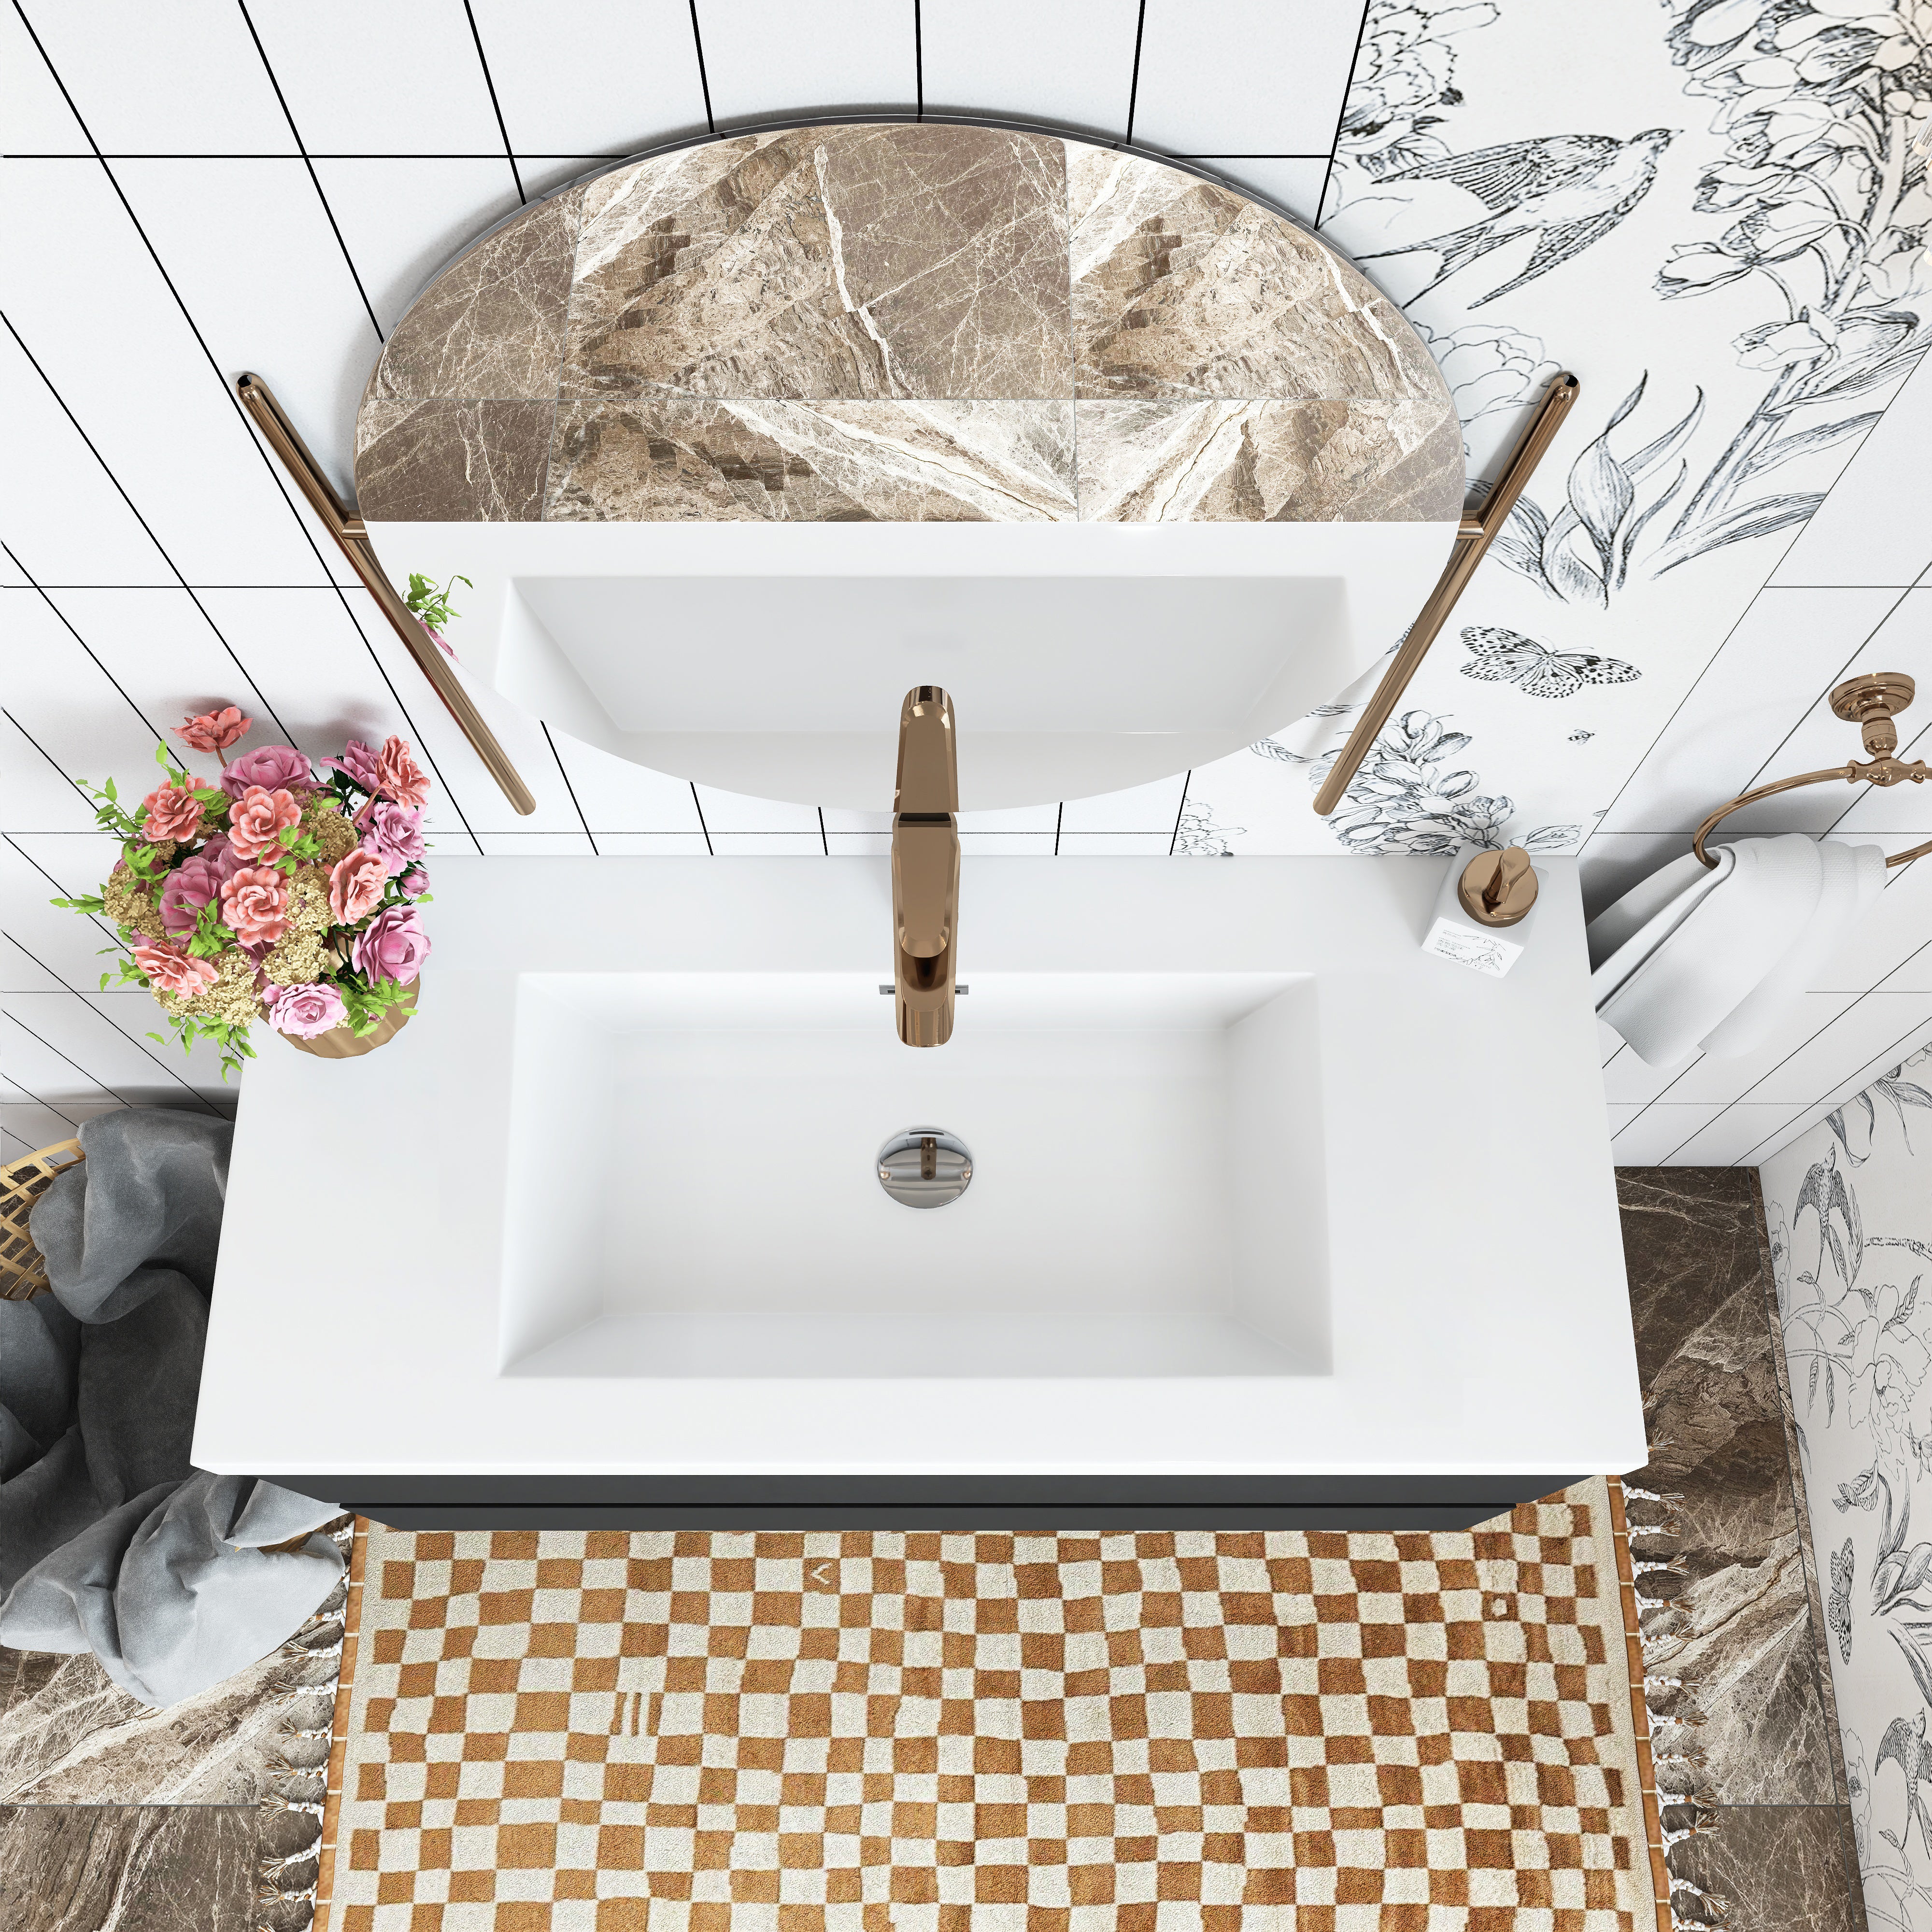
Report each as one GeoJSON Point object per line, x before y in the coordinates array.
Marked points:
{"type": "Point", "coordinates": [22, 1275]}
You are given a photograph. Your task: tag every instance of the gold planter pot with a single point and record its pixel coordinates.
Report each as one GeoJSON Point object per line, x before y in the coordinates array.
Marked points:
{"type": "Point", "coordinates": [341, 1043]}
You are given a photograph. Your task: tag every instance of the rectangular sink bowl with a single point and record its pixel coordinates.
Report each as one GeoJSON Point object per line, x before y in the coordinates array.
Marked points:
{"type": "Point", "coordinates": [1147, 1198]}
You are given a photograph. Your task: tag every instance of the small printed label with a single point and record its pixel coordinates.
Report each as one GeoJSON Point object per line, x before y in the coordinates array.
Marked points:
{"type": "Point", "coordinates": [1482, 952]}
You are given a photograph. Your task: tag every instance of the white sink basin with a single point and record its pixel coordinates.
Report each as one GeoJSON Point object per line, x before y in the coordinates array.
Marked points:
{"type": "Point", "coordinates": [1147, 1198]}
{"type": "Point", "coordinates": [1262, 1194]}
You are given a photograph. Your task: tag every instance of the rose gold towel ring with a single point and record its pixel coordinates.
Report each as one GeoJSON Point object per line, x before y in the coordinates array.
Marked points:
{"type": "Point", "coordinates": [1872, 701]}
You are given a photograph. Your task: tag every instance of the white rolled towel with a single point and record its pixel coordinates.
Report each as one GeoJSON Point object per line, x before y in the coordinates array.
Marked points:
{"type": "Point", "coordinates": [1715, 956]}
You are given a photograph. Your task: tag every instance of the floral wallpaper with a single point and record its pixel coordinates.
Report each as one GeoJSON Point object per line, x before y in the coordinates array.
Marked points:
{"type": "Point", "coordinates": [1718, 221]}
{"type": "Point", "coordinates": [1849, 1206]}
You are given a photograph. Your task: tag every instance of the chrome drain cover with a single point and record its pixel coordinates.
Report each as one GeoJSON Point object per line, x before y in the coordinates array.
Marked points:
{"type": "Point", "coordinates": [925, 1167]}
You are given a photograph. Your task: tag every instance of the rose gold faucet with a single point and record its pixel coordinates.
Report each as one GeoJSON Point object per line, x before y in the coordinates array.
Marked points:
{"type": "Point", "coordinates": [925, 867]}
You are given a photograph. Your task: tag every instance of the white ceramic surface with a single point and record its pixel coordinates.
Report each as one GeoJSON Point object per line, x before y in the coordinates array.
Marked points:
{"type": "Point", "coordinates": [770, 659]}
{"type": "Point", "coordinates": [1259, 1187]}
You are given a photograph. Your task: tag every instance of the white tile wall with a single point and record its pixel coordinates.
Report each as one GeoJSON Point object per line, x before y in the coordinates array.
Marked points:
{"type": "Point", "coordinates": [207, 204]}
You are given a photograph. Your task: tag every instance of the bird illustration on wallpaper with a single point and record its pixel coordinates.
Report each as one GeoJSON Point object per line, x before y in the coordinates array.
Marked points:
{"type": "Point", "coordinates": [1568, 190]}
{"type": "Point", "coordinates": [1818, 200]}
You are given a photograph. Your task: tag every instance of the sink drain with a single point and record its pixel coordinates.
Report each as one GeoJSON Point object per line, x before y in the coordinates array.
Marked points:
{"type": "Point", "coordinates": [925, 1167]}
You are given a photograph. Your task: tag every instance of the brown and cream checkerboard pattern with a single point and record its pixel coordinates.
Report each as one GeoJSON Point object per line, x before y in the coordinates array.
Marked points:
{"type": "Point", "coordinates": [608, 1732]}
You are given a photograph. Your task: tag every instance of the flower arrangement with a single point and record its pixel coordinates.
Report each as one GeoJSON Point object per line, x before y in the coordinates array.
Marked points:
{"type": "Point", "coordinates": [271, 893]}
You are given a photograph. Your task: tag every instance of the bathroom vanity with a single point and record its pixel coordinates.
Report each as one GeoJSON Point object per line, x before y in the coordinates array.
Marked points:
{"type": "Point", "coordinates": [1275, 1220]}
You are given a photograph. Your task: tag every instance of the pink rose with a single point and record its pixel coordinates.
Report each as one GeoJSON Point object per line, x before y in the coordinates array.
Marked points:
{"type": "Point", "coordinates": [273, 767]}
{"type": "Point", "coordinates": [256, 826]}
{"type": "Point", "coordinates": [213, 730]}
{"type": "Point", "coordinates": [312, 1008]}
{"type": "Point", "coordinates": [399, 776]}
{"type": "Point", "coordinates": [194, 882]}
{"type": "Point", "coordinates": [393, 947]}
{"type": "Point", "coordinates": [358, 763]}
{"type": "Point", "coordinates": [355, 886]}
{"type": "Point", "coordinates": [169, 971]}
{"type": "Point", "coordinates": [254, 906]}
{"type": "Point", "coordinates": [394, 834]}
{"type": "Point", "coordinates": [173, 811]}
{"type": "Point", "coordinates": [416, 883]}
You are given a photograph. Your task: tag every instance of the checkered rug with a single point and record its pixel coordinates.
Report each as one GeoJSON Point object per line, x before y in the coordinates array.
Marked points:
{"type": "Point", "coordinates": [613, 1733]}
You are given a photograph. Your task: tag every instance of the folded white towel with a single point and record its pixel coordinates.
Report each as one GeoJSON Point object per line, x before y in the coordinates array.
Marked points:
{"type": "Point", "coordinates": [1701, 946]}
{"type": "Point", "coordinates": [1851, 877]}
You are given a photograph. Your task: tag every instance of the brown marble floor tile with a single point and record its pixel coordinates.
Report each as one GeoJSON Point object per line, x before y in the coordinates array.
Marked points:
{"type": "Point", "coordinates": [828, 262]}
{"type": "Point", "coordinates": [148, 1868]}
{"type": "Point", "coordinates": [452, 461]}
{"type": "Point", "coordinates": [1781, 1866]}
{"type": "Point", "coordinates": [1741, 1634]}
{"type": "Point", "coordinates": [1249, 462]}
{"type": "Point", "coordinates": [77, 1737]}
{"type": "Point", "coordinates": [669, 459]}
{"type": "Point", "coordinates": [1181, 288]}
{"type": "Point", "coordinates": [492, 324]}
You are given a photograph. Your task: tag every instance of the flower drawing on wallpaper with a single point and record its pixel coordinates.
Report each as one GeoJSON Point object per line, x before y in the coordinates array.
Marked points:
{"type": "Point", "coordinates": [1198, 837]}
{"type": "Point", "coordinates": [1854, 1121]}
{"type": "Point", "coordinates": [1823, 185]}
{"type": "Point", "coordinates": [1489, 368]}
{"type": "Point", "coordinates": [1504, 656]}
{"type": "Point", "coordinates": [1405, 68]}
{"type": "Point", "coordinates": [1405, 799]}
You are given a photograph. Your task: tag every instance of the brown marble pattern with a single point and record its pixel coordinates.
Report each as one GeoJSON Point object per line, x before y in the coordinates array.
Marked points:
{"type": "Point", "coordinates": [1170, 462]}
{"type": "Point", "coordinates": [828, 262]}
{"type": "Point", "coordinates": [492, 324]}
{"type": "Point", "coordinates": [672, 460]}
{"type": "Point", "coordinates": [452, 461]}
{"type": "Point", "coordinates": [150, 1868]}
{"type": "Point", "coordinates": [1740, 1635]}
{"type": "Point", "coordinates": [69, 1734]}
{"type": "Point", "coordinates": [1782, 1867]}
{"type": "Point", "coordinates": [892, 321]}
{"type": "Point", "coordinates": [1184, 289]}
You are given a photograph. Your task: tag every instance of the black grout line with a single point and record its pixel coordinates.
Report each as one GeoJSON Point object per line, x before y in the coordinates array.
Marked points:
{"type": "Point", "coordinates": [48, 1104]}
{"type": "Point", "coordinates": [142, 1045]}
{"type": "Point", "coordinates": [1059, 817]}
{"type": "Point", "coordinates": [147, 724]}
{"type": "Point", "coordinates": [1342, 113]}
{"type": "Point", "coordinates": [181, 579]}
{"type": "Point", "coordinates": [482, 59]}
{"type": "Point", "coordinates": [315, 180]}
{"type": "Point", "coordinates": [1134, 83]}
{"type": "Point", "coordinates": [1179, 812]}
{"type": "Point", "coordinates": [72, 1062]}
{"type": "Point", "coordinates": [703, 81]}
{"type": "Point", "coordinates": [711, 849]}
{"type": "Point", "coordinates": [569, 787]}
{"type": "Point", "coordinates": [918, 63]}
{"type": "Point", "coordinates": [154, 255]}
{"type": "Point", "coordinates": [823, 839]}
{"type": "Point", "coordinates": [59, 769]}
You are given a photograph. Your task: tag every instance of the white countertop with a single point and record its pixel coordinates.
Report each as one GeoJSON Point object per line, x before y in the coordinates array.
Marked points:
{"type": "Point", "coordinates": [1480, 1320]}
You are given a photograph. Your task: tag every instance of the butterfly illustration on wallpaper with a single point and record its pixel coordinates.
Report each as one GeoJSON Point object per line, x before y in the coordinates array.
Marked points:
{"type": "Point", "coordinates": [1507, 657]}
{"type": "Point", "coordinates": [1838, 1610]}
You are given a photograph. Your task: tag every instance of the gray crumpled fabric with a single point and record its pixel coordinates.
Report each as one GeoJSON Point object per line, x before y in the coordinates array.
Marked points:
{"type": "Point", "coordinates": [110, 1540]}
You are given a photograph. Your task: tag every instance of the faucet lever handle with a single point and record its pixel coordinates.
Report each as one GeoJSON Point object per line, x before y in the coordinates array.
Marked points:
{"type": "Point", "coordinates": [928, 768]}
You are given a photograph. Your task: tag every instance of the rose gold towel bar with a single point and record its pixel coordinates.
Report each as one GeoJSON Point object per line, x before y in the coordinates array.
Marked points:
{"type": "Point", "coordinates": [1872, 700]}
{"type": "Point", "coordinates": [259, 399]}
{"type": "Point", "coordinates": [1472, 542]}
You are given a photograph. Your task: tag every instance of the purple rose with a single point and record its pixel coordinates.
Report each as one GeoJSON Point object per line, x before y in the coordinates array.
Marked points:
{"type": "Point", "coordinates": [305, 1010]}
{"type": "Point", "coordinates": [416, 883]}
{"type": "Point", "coordinates": [394, 833]}
{"type": "Point", "coordinates": [393, 946]}
{"type": "Point", "coordinates": [195, 881]}
{"type": "Point", "coordinates": [359, 762]}
{"type": "Point", "coordinates": [273, 767]}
